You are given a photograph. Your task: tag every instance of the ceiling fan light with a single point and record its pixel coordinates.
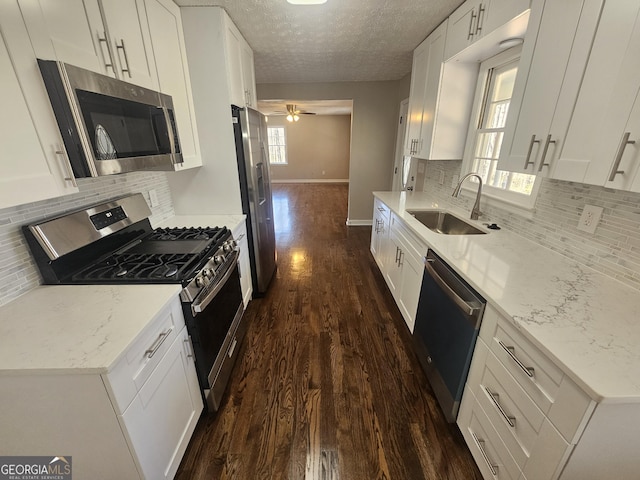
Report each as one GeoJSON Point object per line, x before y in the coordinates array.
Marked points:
{"type": "Point", "coordinates": [296, 117]}
{"type": "Point", "coordinates": [306, 2]}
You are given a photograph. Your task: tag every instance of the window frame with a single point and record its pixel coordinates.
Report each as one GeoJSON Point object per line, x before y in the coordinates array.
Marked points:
{"type": "Point", "coordinates": [286, 153]}
{"type": "Point", "coordinates": [513, 201]}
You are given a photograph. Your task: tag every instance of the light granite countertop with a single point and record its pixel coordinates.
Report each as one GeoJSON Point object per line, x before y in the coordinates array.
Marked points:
{"type": "Point", "coordinates": [78, 329]}
{"type": "Point", "coordinates": [586, 322]}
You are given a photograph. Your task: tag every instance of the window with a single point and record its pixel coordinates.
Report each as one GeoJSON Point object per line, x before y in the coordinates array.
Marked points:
{"type": "Point", "coordinates": [277, 146]}
{"type": "Point", "coordinates": [493, 96]}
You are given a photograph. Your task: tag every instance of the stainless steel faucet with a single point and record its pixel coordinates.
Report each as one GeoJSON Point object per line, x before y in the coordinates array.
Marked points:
{"type": "Point", "coordinates": [475, 211]}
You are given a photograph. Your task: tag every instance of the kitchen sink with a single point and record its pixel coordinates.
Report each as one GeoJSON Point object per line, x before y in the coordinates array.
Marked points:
{"type": "Point", "coordinates": [444, 222]}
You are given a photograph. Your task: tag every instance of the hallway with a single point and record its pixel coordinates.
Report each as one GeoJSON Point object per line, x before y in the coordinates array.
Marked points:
{"type": "Point", "coordinates": [326, 386]}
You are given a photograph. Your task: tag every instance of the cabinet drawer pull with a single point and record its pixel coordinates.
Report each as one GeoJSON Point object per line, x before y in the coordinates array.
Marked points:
{"type": "Point", "coordinates": [527, 161]}
{"type": "Point", "coordinates": [544, 152]}
{"type": "Point", "coordinates": [104, 40]}
{"type": "Point", "coordinates": [67, 167]}
{"type": "Point", "coordinates": [495, 399]}
{"type": "Point", "coordinates": [400, 259]}
{"type": "Point", "coordinates": [159, 341]}
{"type": "Point", "coordinates": [240, 237]}
{"type": "Point", "coordinates": [480, 19]}
{"type": "Point", "coordinates": [380, 209]}
{"type": "Point", "coordinates": [473, 17]}
{"type": "Point", "coordinates": [616, 164]}
{"type": "Point", "coordinates": [189, 345]}
{"type": "Point", "coordinates": [480, 443]}
{"type": "Point", "coordinates": [126, 59]}
{"type": "Point", "coordinates": [511, 351]}
{"type": "Point", "coordinates": [397, 253]}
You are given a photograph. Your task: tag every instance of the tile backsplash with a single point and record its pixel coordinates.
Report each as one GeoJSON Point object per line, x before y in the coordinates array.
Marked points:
{"type": "Point", "coordinates": [18, 273]}
{"type": "Point", "coordinates": [614, 248]}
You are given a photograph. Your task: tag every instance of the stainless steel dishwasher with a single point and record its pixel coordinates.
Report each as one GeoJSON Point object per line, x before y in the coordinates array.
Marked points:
{"type": "Point", "coordinates": [447, 324]}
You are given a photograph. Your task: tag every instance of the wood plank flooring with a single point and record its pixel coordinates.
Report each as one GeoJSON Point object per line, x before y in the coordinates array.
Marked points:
{"type": "Point", "coordinates": [326, 386]}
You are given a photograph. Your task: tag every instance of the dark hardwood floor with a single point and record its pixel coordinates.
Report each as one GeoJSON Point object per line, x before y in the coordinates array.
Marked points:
{"type": "Point", "coordinates": [326, 386]}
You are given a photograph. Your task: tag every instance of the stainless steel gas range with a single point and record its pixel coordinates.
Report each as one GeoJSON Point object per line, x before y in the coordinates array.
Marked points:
{"type": "Point", "coordinates": [114, 243]}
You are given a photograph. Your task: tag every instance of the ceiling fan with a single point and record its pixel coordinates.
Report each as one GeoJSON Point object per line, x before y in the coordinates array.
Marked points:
{"type": "Point", "coordinates": [293, 113]}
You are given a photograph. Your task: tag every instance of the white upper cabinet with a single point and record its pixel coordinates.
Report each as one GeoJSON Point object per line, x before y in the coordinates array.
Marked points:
{"type": "Point", "coordinates": [165, 25]}
{"type": "Point", "coordinates": [240, 68]}
{"type": "Point", "coordinates": [33, 165]}
{"type": "Point", "coordinates": [440, 101]}
{"type": "Point", "coordinates": [606, 119]}
{"type": "Point", "coordinates": [109, 37]}
{"type": "Point", "coordinates": [474, 19]}
{"type": "Point", "coordinates": [552, 65]}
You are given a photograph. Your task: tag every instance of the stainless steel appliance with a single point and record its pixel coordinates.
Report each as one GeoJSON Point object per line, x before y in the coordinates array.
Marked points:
{"type": "Point", "coordinates": [250, 128]}
{"type": "Point", "coordinates": [114, 243]}
{"type": "Point", "coordinates": [109, 126]}
{"type": "Point", "coordinates": [447, 324]}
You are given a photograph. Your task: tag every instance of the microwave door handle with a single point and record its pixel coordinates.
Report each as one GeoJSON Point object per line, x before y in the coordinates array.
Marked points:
{"type": "Point", "coordinates": [172, 136]}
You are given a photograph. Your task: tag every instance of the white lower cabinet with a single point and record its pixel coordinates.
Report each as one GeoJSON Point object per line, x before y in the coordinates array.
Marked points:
{"type": "Point", "coordinates": [161, 418]}
{"type": "Point", "coordinates": [380, 234]}
{"type": "Point", "coordinates": [524, 418]}
{"type": "Point", "coordinates": [240, 236]}
{"type": "Point", "coordinates": [404, 275]}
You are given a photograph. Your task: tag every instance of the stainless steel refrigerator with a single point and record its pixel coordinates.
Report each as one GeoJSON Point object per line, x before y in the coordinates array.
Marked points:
{"type": "Point", "coordinates": [250, 129]}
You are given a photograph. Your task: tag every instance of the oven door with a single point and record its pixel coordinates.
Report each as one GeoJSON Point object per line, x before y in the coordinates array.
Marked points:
{"type": "Point", "coordinates": [216, 331]}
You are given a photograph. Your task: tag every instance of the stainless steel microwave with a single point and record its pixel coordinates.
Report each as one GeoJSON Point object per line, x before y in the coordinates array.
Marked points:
{"type": "Point", "coordinates": [109, 126]}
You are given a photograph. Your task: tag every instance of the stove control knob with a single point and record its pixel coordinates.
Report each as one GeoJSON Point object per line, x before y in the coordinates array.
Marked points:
{"type": "Point", "coordinates": [200, 282]}
{"type": "Point", "coordinates": [206, 272]}
{"type": "Point", "coordinates": [218, 259]}
{"type": "Point", "coordinates": [227, 247]}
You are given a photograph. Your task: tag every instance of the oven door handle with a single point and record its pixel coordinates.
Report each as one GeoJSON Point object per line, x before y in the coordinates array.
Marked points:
{"type": "Point", "coordinates": [199, 305]}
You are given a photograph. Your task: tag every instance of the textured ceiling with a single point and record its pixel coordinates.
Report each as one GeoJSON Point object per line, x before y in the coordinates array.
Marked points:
{"type": "Point", "coordinates": [319, 107]}
{"type": "Point", "coordinates": [339, 41]}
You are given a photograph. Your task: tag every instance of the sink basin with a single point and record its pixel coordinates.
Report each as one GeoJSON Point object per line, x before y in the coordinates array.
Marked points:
{"type": "Point", "coordinates": [443, 222]}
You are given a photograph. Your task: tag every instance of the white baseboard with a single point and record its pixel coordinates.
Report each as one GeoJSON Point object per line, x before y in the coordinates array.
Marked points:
{"type": "Point", "coordinates": [311, 180]}
{"type": "Point", "coordinates": [359, 223]}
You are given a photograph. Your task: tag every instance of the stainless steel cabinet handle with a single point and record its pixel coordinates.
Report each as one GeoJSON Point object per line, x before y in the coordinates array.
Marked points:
{"type": "Point", "coordinates": [400, 262]}
{"type": "Point", "coordinates": [495, 399]}
{"type": "Point", "coordinates": [544, 153]}
{"type": "Point", "coordinates": [511, 351]}
{"type": "Point", "coordinates": [492, 466]}
{"type": "Point", "coordinates": [104, 40]}
{"type": "Point", "coordinates": [473, 17]}
{"type": "Point", "coordinates": [380, 209]}
{"type": "Point", "coordinates": [126, 59]}
{"type": "Point", "coordinates": [67, 167]}
{"type": "Point", "coordinates": [616, 164]}
{"type": "Point", "coordinates": [460, 303]}
{"type": "Point", "coordinates": [397, 254]}
{"type": "Point", "coordinates": [159, 341]}
{"type": "Point", "coordinates": [189, 345]}
{"type": "Point", "coordinates": [527, 161]}
{"type": "Point", "coordinates": [240, 237]}
{"type": "Point", "coordinates": [480, 19]}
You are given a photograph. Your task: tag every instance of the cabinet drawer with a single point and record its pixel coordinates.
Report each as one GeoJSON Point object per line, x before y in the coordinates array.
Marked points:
{"type": "Point", "coordinates": [379, 208]}
{"type": "Point", "coordinates": [141, 358]}
{"type": "Point", "coordinates": [410, 241]}
{"type": "Point", "coordinates": [490, 453]}
{"type": "Point", "coordinates": [511, 411]}
{"type": "Point", "coordinates": [556, 395]}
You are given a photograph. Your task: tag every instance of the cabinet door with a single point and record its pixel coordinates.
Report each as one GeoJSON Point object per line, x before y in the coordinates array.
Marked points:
{"type": "Point", "coordinates": [248, 76]}
{"type": "Point", "coordinates": [435, 52]}
{"type": "Point", "coordinates": [607, 107]}
{"type": "Point", "coordinates": [416, 96]}
{"type": "Point", "coordinates": [160, 420]}
{"type": "Point", "coordinates": [393, 271]}
{"type": "Point", "coordinates": [233, 51]}
{"type": "Point", "coordinates": [412, 271]}
{"type": "Point", "coordinates": [71, 31]}
{"type": "Point", "coordinates": [462, 25]}
{"type": "Point", "coordinates": [495, 13]}
{"type": "Point", "coordinates": [551, 67]}
{"type": "Point", "coordinates": [31, 168]}
{"type": "Point", "coordinates": [240, 236]}
{"type": "Point", "coordinates": [165, 25]}
{"type": "Point", "coordinates": [128, 32]}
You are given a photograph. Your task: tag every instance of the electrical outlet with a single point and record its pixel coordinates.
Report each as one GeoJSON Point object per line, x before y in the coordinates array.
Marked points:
{"type": "Point", "coordinates": [441, 181]}
{"type": "Point", "coordinates": [153, 198]}
{"type": "Point", "coordinates": [590, 218]}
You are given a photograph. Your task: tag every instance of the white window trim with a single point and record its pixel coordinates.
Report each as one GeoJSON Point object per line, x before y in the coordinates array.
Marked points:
{"type": "Point", "coordinates": [286, 146]}
{"type": "Point", "coordinates": [511, 201]}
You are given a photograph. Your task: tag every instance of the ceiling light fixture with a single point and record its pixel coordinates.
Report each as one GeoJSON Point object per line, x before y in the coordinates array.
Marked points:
{"type": "Point", "coordinates": [292, 113]}
{"type": "Point", "coordinates": [511, 42]}
{"type": "Point", "coordinates": [306, 2]}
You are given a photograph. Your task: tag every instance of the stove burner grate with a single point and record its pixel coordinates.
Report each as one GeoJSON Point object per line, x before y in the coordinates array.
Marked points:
{"type": "Point", "coordinates": [187, 233]}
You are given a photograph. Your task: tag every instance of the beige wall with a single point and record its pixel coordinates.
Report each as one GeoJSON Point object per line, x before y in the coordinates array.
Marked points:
{"type": "Point", "coordinates": [373, 133]}
{"type": "Point", "coordinates": [317, 148]}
